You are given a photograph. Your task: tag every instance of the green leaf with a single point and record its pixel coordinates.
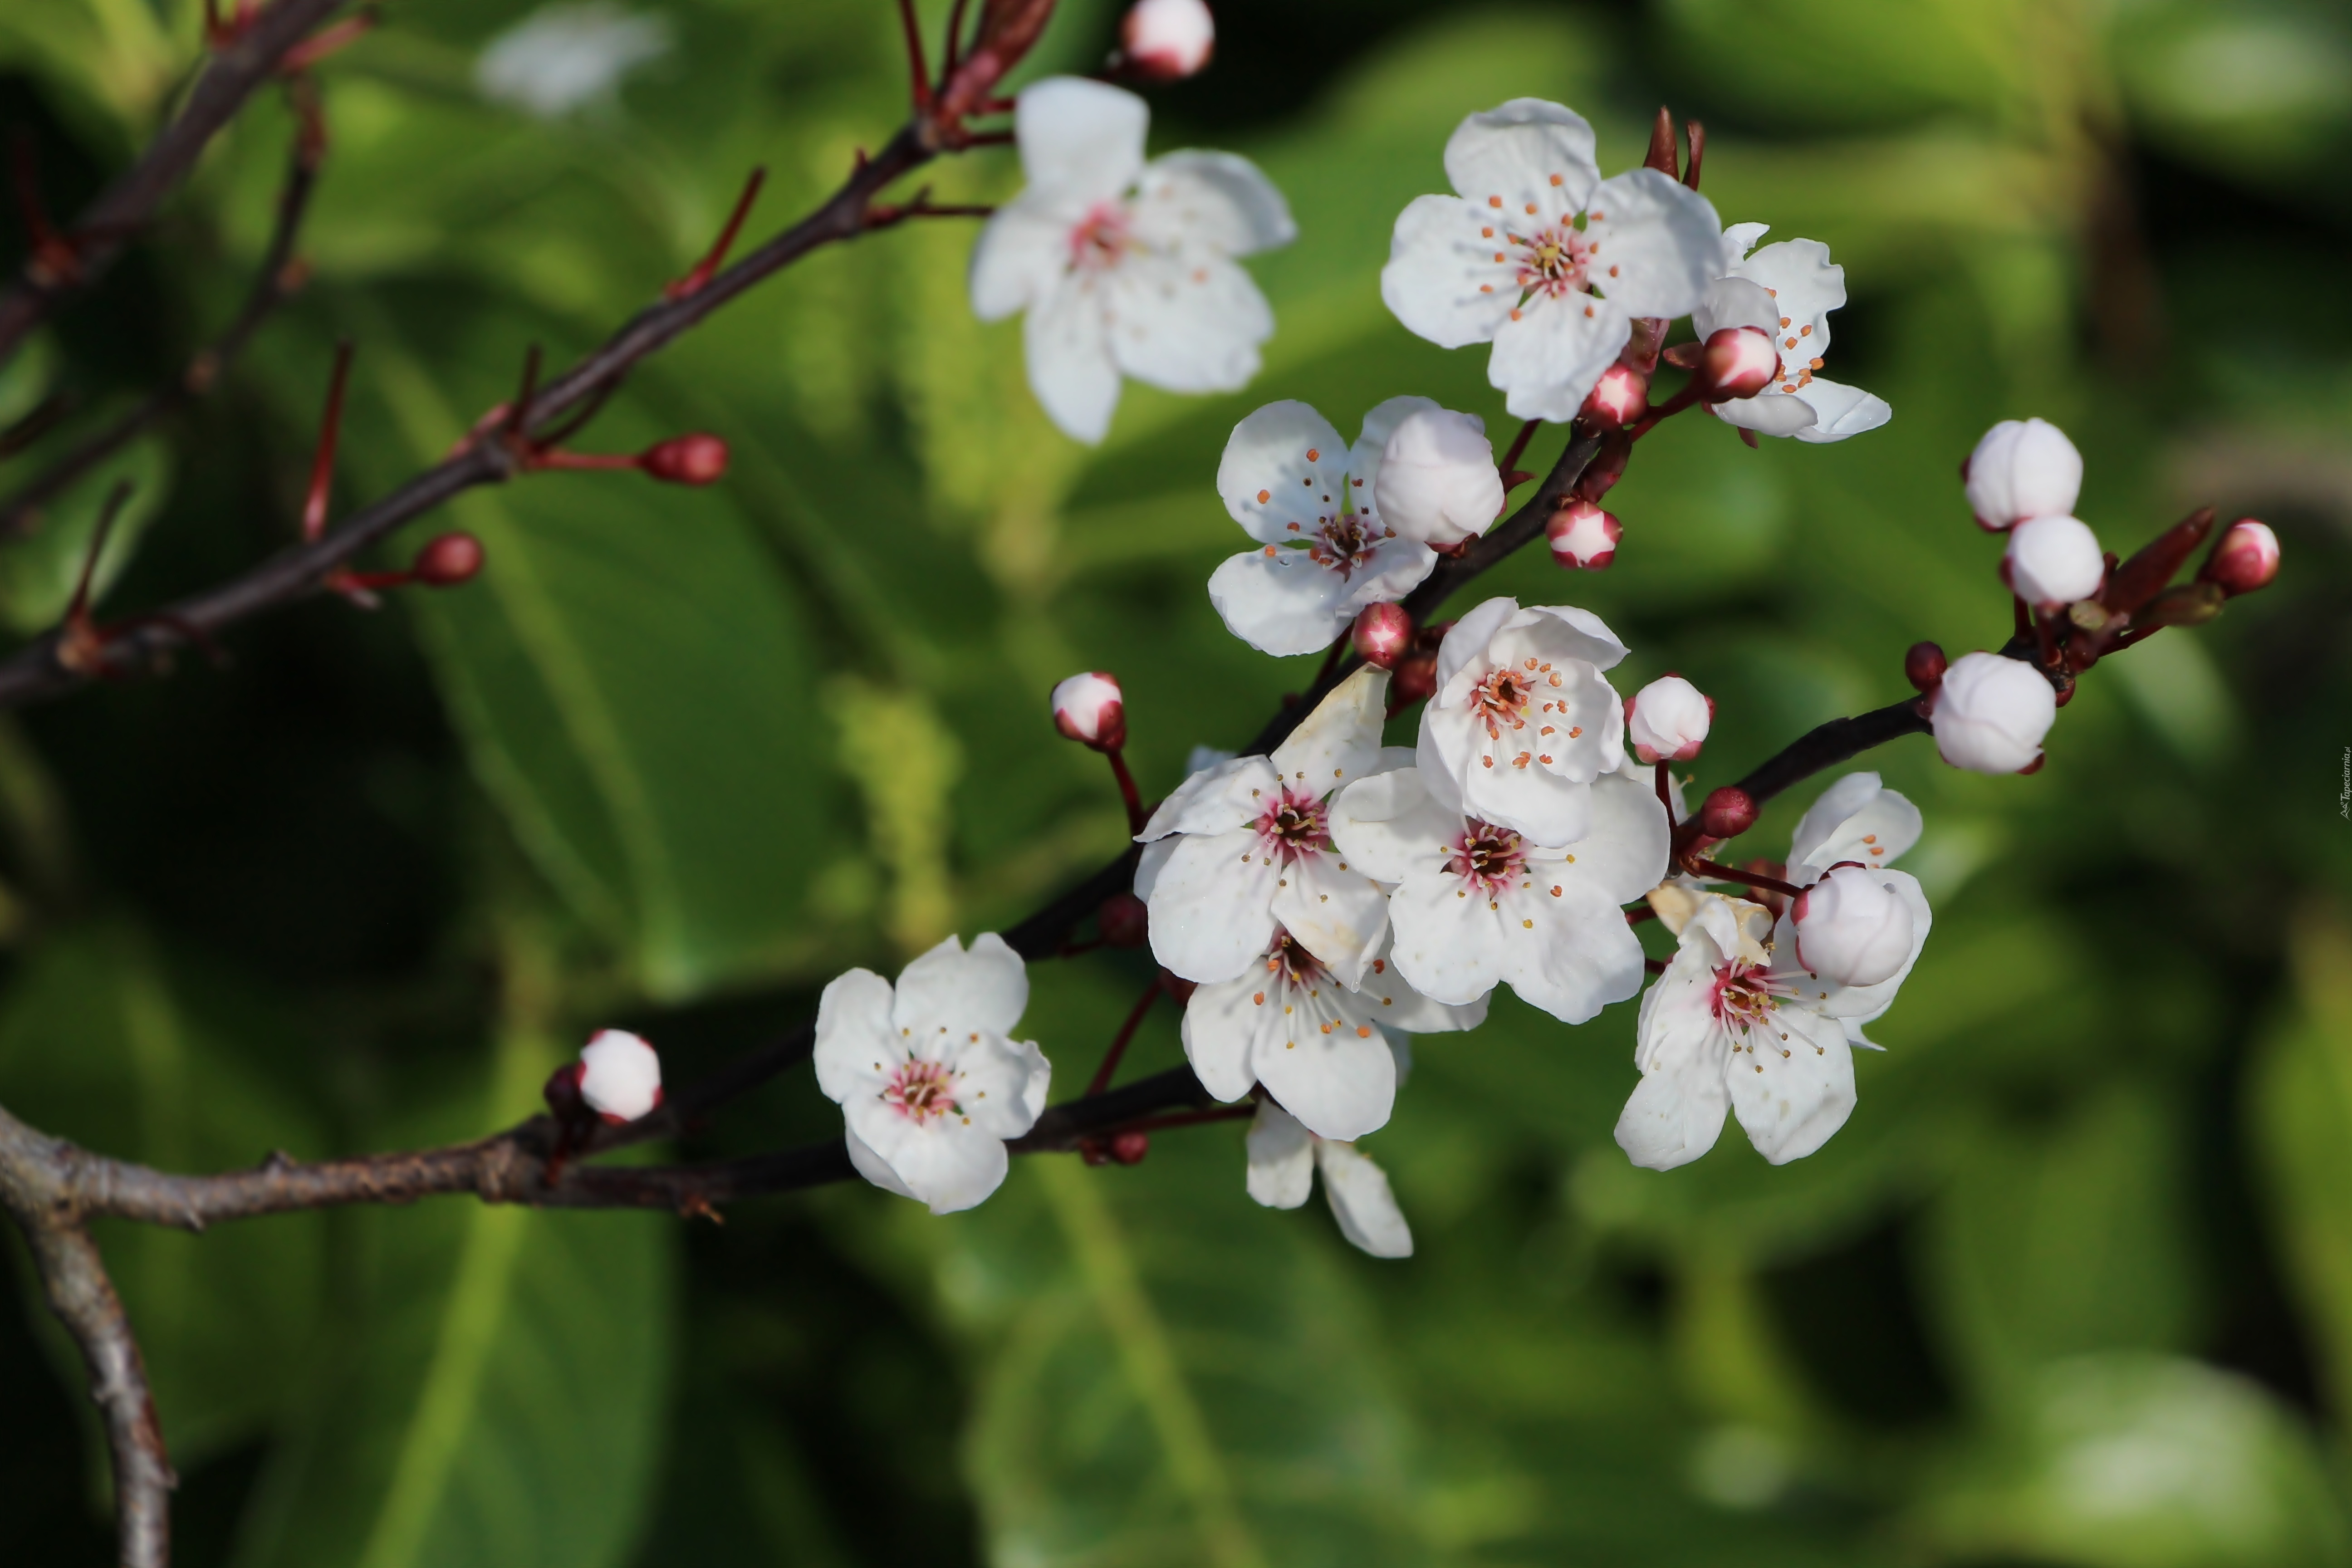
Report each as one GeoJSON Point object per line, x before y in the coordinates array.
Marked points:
{"type": "Point", "coordinates": [495, 1394]}
{"type": "Point", "coordinates": [96, 1046]}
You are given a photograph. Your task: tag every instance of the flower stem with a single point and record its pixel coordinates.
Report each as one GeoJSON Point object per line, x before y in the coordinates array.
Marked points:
{"type": "Point", "coordinates": [1127, 792]}
{"type": "Point", "coordinates": [1101, 1079]}
{"type": "Point", "coordinates": [1723, 873]}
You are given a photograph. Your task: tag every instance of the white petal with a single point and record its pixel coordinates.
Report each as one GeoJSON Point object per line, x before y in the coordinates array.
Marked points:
{"type": "Point", "coordinates": [1214, 800]}
{"type": "Point", "coordinates": [1393, 568]}
{"type": "Point", "coordinates": [1770, 413]}
{"type": "Point", "coordinates": [1656, 243]}
{"type": "Point", "coordinates": [946, 1163]}
{"type": "Point", "coordinates": [1840, 411]}
{"type": "Point", "coordinates": [1186, 325]}
{"type": "Point", "coordinates": [1211, 200]}
{"type": "Point", "coordinates": [1526, 150]}
{"type": "Point", "coordinates": [1388, 828]}
{"type": "Point", "coordinates": [1340, 741]}
{"type": "Point", "coordinates": [1548, 356]}
{"type": "Point", "coordinates": [1442, 280]}
{"type": "Point", "coordinates": [1739, 238]}
{"type": "Point", "coordinates": [1450, 943]}
{"type": "Point", "coordinates": [1210, 918]}
{"type": "Point", "coordinates": [1806, 286]}
{"type": "Point", "coordinates": [1022, 257]}
{"type": "Point", "coordinates": [1792, 1086]}
{"type": "Point", "coordinates": [1339, 916]}
{"type": "Point", "coordinates": [1222, 1026]}
{"type": "Point", "coordinates": [1587, 635]}
{"type": "Point", "coordinates": [856, 1044]}
{"type": "Point", "coordinates": [1734, 302]}
{"type": "Point", "coordinates": [1386, 998]}
{"type": "Point", "coordinates": [1070, 366]}
{"type": "Point", "coordinates": [949, 990]}
{"type": "Point", "coordinates": [1148, 864]}
{"type": "Point", "coordinates": [1568, 953]}
{"type": "Point", "coordinates": [1855, 819]}
{"type": "Point", "coordinates": [1533, 802]}
{"type": "Point", "coordinates": [1331, 1070]}
{"type": "Point", "coordinates": [1625, 856]}
{"type": "Point", "coordinates": [1000, 1084]}
{"type": "Point", "coordinates": [1358, 1192]}
{"type": "Point", "coordinates": [1266, 455]}
{"type": "Point", "coordinates": [1082, 141]}
{"type": "Point", "coordinates": [1673, 1116]}
{"type": "Point", "coordinates": [1364, 457]}
{"type": "Point", "coordinates": [873, 1166]}
{"type": "Point", "coordinates": [1466, 643]}
{"type": "Point", "coordinates": [1280, 602]}
{"type": "Point", "coordinates": [1281, 1159]}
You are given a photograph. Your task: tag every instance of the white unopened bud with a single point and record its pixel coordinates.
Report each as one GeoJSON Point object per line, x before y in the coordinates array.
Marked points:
{"type": "Point", "coordinates": [1991, 713]}
{"type": "Point", "coordinates": [1737, 362]}
{"type": "Point", "coordinates": [1852, 927]}
{"type": "Point", "coordinates": [2053, 560]}
{"type": "Point", "coordinates": [620, 1076]}
{"type": "Point", "coordinates": [2023, 468]}
{"type": "Point", "coordinates": [1166, 39]}
{"type": "Point", "coordinates": [1620, 397]}
{"type": "Point", "coordinates": [1583, 536]}
{"type": "Point", "coordinates": [1437, 481]}
{"type": "Point", "coordinates": [1667, 719]}
{"type": "Point", "coordinates": [1089, 710]}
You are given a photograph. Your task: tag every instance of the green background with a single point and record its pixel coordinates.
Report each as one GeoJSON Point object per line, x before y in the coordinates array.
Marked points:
{"type": "Point", "coordinates": [2074, 1285]}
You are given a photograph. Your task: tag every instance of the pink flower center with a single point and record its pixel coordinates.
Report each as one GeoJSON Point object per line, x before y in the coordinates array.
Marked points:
{"type": "Point", "coordinates": [1553, 259]}
{"type": "Point", "coordinates": [923, 1092]}
{"type": "Point", "coordinates": [1293, 827]}
{"type": "Point", "coordinates": [1500, 699]}
{"type": "Point", "coordinates": [1286, 959]}
{"type": "Point", "coordinates": [1488, 857]}
{"type": "Point", "coordinates": [1100, 238]}
{"type": "Point", "coordinates": [1743, 997]}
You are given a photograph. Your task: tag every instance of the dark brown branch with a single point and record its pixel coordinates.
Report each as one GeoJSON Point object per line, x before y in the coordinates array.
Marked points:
{"type": "Point", "coordinates": [123, 209]}
{"type": "Point", "coordinates": [1840, 740]}
{"type": "Point", "coordinates": [273, 285]}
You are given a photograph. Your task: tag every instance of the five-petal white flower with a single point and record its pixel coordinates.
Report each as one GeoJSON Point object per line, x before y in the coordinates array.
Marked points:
{"type": "Point", "coordinates": [1475, 903]}
{"type": "Point", "coordinates": [1523, 720]}
{"type": "Point", "coordinates": [1312, 504]}
{"type": "Point", "coordinates": [1313, 1041]}
{"type": "Point", "coordinates": [1282, 1156]}
{"type": "Point", "coordinates": [1505, 259]}
{"type": "Point", "coordinates": [1247, 844]}
{"type": "Point", "coordinates": [1124, 267]}
{"type": "Point", "coordinates": [928, 1080]}
{"type": "Point", "coordinates": [1789, 291]}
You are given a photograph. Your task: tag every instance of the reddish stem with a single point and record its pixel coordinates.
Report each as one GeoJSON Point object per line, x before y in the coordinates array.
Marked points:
{"type": "Point", "coordinates": [1510, 463]}
{"type": "Point", "coordinates": [915, 65]}
{"type": "Point", "coordinates": [1723, 873]}
{"type": "Point", "coordinates": [323, 466]}
{"type": "Point", "coordinates": [716, 258]}
{"type": "Point", "coordinates": [2022, 618]}
{"type": "Point", "coordinates": [954, 40]}
{"type": "Point", "coordinates": [52, 253]}
{"type": "Point", "coordinates": [1654, 965]}
{"type": "Point", "coordinates": [1639, 913]}
{"type": "Point", "coordinates": [1666, 410]}
{"type": "Point", "coordinates": [556, 458]}
{"type": "Point", "coordinates": [1101, 1079]}
{"type": "Point", "coordinates": [1665, 790]}
{"type": "Point", "coordinates": [319, 45]}
{"type": "Point", "coordinates": [1127, 792]}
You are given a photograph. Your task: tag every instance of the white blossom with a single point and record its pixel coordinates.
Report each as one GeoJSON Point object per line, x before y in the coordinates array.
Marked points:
{"type": "Point", "coordinates": [1438, 479]}
{"type": "Point", "coordinates": [930, 1081]}
{"type": "Point", "coordinates": [1283, 1158]}
{"type": "Point", "coordinates": [1124, 267]}
{"type": "Point", "coordinates": [1314, 1042]}
{"type": "Point", "coordinates": [1474, 903]}
{"type": "Point", "coordinates": [620, 1076]}
{"type": "Point", "coordinates": [562, 58]}
{"type": "Point", "coordinates": [1504, 259]}
{"type": "Point", "coordinates": [1852, 926]}
{"type": "Point", "coordinates": [1245, 846]}
{"type": "Point", "coordinates": [2053, 560]}
{"type": "Point", "coordinates": [1523, 720]}
{"type": "Point", "coordinates": [1168, 39]}
{"type": "Point", "coordinates": [1786, 289]}
{"type": "Point", "coordinates": [2023, 469]}
{"type": "Point", "coordinates": [1858, 819]}
{"type": "Point", "coordinates": [1990, 713]}
{"type": "Point", "coordinates": [1326, 547]}
{"type": "Point", "coordinates": [1667, 721]}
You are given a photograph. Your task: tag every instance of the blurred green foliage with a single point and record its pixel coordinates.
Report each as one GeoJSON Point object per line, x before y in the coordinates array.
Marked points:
{"type": "Point", "coordinates": [2073, 1286]}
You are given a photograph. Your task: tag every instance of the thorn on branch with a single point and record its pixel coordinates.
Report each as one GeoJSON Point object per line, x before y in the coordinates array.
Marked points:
{"type": "Point", "coordinates": [917, 70]}
{"type": "Point", "coordinates": [81, 644]}
{"type": "Point", "coordinates": [694, 282]}
{"type": "Point", "coordinates": [322, 463]}
{"type": "Point", "coordinates": [328, 41]}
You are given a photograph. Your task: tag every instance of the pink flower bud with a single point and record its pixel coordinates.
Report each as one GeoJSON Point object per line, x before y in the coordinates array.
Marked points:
{"type": "Point", "coordinates": [1738, 361]}
{"type": "Point", "coordinates": [1620, 397]}
{"type": "Point", "coordinates": [1382, 633]}
{"type": "Point", "coordinates": [620, 1076]}
{"type": "Point", "coordinates": [1668, 719]}
{"type": "Point", "coordinates": [1089, 710]}
{"type": "Point", "coordinates": [697, 459]}
{"type": "Point", "coordinates": [1582, 535]}
{"type": "Point", "coordinates": [2053, 560]}
{"type": "Point", "coordinates": [1126, 921]}
{"type": "Point", "coordinates": [1129, 1147]}
{"type": "Point", "coordinates": [1436, 481]}
{"type": "Point", "coordinates": [1415, 678]}
{"type": "Point", "coordinates": [1991, 712]}
{"type": "Point", "coordinates": [1168, 39]}
{"type": "Point", "coordinates": [1726, 812]}
{"type": "Point", "coordinates": [451, 559]}
{"type": "Point", "coordinates": [2246, 557]}
{"type": "Point", "coordinates": [1852, 927]}
{"type": "Point", "coordinates": [2023, 468]}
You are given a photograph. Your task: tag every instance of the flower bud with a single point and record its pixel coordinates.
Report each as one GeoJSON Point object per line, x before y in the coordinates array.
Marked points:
{"type": "Point", "coordinates": [1667, 719]}
{"type": "Point", "coordinates": [1582, 535]}
{"type": "Point", "coordinates": [1089, 710]}
{"type": "Point", "coordinates": [2246, 557]}
{"type": "Point", "coordinates": [1852, 928]}
{"type": "Point", "coordinates": [448, 561]}
{"type": "Point", "coordinates": [1415, 679]}
{"type": "Point", "coordinates": [697, 459]}
{"type": "Point", "coordinates": [1924, 664]}
{"type": "Point", "coordinates": [1620, 397]}
{"type": "Point", "coordinates": [1991, 712]}
{"type": "Point", "coordinates": [2023, 468]}
{"type": "Point", "coordinates": [2053, 560]}
{"type": "Point", "coordinates": [1726, 812]}
{"type": "Point", "coordinates": [1168, 39]}
{"type": "Point", "coordinates": [1607, 467]}
{"type": "Point", "coordinates": [1129, 1147]}
{"type": "Point", "coordinates": [1738, 361]}
{"type": "Point", "coordinates": [1437, 481]}
{"type": "Point", "coordinates": [1382, 633]}
{"type": "Point", "coordinates": [1126, 919]}
{"type": "Point", "coordinates": [620, 1076]}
